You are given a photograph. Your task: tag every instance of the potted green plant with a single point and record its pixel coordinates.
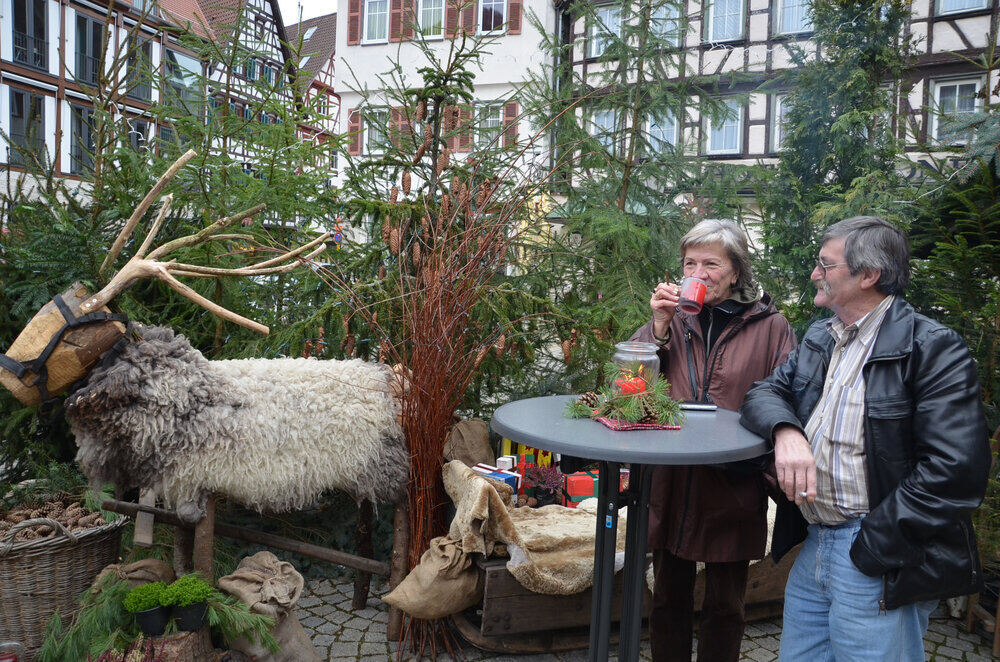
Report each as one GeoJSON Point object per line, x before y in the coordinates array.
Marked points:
{"type": "Point", "coordinates": [188, 596]}
{"type": "Point", "coordinates": [146, 603]}
{"type": "Point", "coordinates": [547, 482]}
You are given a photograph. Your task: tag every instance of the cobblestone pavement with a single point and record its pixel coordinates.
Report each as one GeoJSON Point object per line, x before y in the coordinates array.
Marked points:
{"type": "Point", "coordinates": [341, 634]}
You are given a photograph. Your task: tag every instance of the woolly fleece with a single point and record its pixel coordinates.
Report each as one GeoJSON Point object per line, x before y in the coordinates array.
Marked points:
{"type": "Point", "coordinates": [273, 434]}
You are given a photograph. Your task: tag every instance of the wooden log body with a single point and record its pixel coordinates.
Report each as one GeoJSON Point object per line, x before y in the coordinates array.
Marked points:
{"type": "Point", "coordinates": [77, 352]}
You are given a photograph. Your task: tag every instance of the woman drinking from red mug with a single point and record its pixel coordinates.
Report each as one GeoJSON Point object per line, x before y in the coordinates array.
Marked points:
{"type": "Point", "coordinates": [709, 514]}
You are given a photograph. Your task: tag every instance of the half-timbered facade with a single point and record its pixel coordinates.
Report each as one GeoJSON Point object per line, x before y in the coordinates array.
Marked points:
{"type": "Point", "coordinates": [52, 52]}
{"type": "Point", "coordinates": [756, 39]}
{"type": "Point", "coordinates": [374, 35]}
{"type": "Point", "coordinates": [313, 45]}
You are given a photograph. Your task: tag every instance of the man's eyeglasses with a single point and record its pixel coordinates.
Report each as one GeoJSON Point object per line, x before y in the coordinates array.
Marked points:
{"type": "Point", "coordinates": [823, 267]}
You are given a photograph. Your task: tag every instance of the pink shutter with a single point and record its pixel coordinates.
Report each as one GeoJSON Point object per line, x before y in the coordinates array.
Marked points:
{"type": "Point", "coordinates": [466, 127]}
{"type": "Point", "coordinates": [514, 19]}
{"type": "Point", "coordinates": [354, 131]}
{"type": "Point", "coordinates": [395, 20]}
{"type": "Point", "coordinates": [409, 18]}
{"type": "Point", "coordinates": [353, 22]}
{"type": "Point", "coordinates": [469, 22]}
{"type": "Point", "coordinates": [510, 124]}
{"type": "Point", "coordinates": [450, 18]}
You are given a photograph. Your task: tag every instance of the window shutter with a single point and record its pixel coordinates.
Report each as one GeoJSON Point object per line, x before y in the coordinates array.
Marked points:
{"type": "Point", "coordinates": [469, 18]}
{"type": "Point", "coordinates": [450, 18]}
{"type": "Point", "coordinates": [466, 124]}
{"type": "Point", "coordinates": [409, 18]}
{"type": "Point", "coordinates": [395, 20]}
{"type": "Point", "coordinates": [510, 124]}
{"type": "Point", "coordinates": [353, 22]}
{"type": "Point", "coordinates": [514, 18]}
{"type": "Point", "coordinates": [354, 132]}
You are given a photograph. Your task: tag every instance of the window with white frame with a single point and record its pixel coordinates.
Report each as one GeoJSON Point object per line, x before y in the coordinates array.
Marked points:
{"type": "Point", "coordinates": [665, 22]}
{"type": "Point", "coordinates": [376, 20]}
{"type": "Point", "coordinates": [492, 15]}
{"type": "Point", "coordinates": [431, 18]}
{"type": "Point", "coordinates": [955, 6]}
{"type": "Point", "coordinates": [606, 22]}
{"type": "Point", "coordinates": [376, 124]}
{"type": "Point", "coordinates": [602, 128]}
{"type": "Point", "coordinates": [489, 119]}
{"type": "Point", "coordinates": [725, 20]}
{"type": "Point", "coordinates": [662, 131]}
{"type": "Point", "coordinates": [779, 120]}
{"type": "Point", "coordinates": [793, 16]}
{"type": "Point", "coordinates": [953, 98]}
{"type": "Point", "coordinates": [725, 134]}
{"type": "Point", "coordinates": [309, 33]}
{"type": "Point", "coordinates": [27, 126]}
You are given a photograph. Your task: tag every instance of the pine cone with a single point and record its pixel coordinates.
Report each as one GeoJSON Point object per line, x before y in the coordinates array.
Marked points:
{"type": "Point", "coordinates": [421, 113]}
{"type": "Point", "coordinates": [407, 183]}
{"type": "Point", "coordinates": [349, 345]}
{"type": "Point", "coordinates": [381, 272]}
{"type": "Point", "coordinates": [394, 241]}
{"type": "Point", "coordinates": [591, 398]}
{"type": "Point", "coordinates": [443, 159]}
{"type": "Point", "coordinates": [445, 204]}
{"type": "Point", "coordinates": [567, 350]}
{"type": "Point", "coordinates": [415, 254]}
{"type": "Point", "coordinates": [394, 194]}
{"type": "Point", "coordinates": [386, 228]}
{"type": "Point", "coordinates": [428, 133]}
{"type": "Point", "coordinates": [648, 412]}
{"type": "Point", "coordinates": [500, 345]}
{"type": "Point", "coordinates": [480, 355]}
{"type": "Point", "coordinates": [419, 154]}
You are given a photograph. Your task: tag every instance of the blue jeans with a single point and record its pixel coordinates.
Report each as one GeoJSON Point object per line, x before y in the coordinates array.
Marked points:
{"type": "Point", "coordinates": [832, 609]}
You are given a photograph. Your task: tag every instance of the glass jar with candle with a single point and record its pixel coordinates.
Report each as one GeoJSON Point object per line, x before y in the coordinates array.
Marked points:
{"type": "Point", "coordinates": [12, 651]}
{"type": "Point", "coordinates": [638, 365]}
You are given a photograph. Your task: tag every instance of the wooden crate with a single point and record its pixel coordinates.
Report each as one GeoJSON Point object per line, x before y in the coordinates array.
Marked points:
{"type": "Point", "coordinates": [548, 623]}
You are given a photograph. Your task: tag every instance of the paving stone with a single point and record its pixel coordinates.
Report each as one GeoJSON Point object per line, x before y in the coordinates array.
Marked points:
{"type": "Point", "coordinates": [344, 649]}
{"type": "Point", "coordinates": [308, 601]}
{"type": "Point", "coordinates": [323, 640]}
{"type": "Point", "coordinates": [329, 628]}
{"type": "Point", "coordinates": [350, 634]}
{"type": "Point", "coordinates": [958, 643]}
{"type": "Point", "coordinates": [311, 622]}
{"type": "Point", "coordinates": [947, 653]}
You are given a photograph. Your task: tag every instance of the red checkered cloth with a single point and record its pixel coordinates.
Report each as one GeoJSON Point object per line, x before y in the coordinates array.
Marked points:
{"type": "Point", "coordinates": [621, 426]}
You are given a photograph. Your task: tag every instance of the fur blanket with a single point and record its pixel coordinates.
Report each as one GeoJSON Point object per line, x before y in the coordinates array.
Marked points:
{"type": "Point", "coordinates": [551, 548]}
{"type": "Point", "coordinates": [272, 434]}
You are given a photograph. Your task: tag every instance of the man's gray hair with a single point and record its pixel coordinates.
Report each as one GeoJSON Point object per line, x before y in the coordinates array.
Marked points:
{"type": "Point", "coordinates": [733, 240]}
{"type": "Point", "coordinates": [872, 243]}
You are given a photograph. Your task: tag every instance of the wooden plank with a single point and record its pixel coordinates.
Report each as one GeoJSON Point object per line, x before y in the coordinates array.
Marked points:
{"type": "Point", "coordinates": [204, 543]}
{"type": "Point", "coordinates": [143, 536]}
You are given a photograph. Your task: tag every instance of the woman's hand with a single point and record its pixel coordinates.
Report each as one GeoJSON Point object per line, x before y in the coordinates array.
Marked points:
{"type": "Point", "coordinates": [664, 302]}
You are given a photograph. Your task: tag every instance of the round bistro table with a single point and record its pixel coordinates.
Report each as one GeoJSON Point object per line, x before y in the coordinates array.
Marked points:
{"type": "Point", "coordinates": [706, 437]}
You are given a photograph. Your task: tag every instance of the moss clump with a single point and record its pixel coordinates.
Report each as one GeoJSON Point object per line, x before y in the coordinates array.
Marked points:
{"type": "Point", "coordinates": [145, 596]}
{"type": "Point", "coordinates": [188, 590]}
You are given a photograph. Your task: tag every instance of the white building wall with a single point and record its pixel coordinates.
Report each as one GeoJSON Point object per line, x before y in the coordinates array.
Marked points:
{"type": "Point", "coordinates": [6, 29]}
{"type": "Point", "coordinates": [54, 37]}
{"type": "Point", "coordinates": [4, 119]}
{"type": "Point", "coordinates": [66, 138]}
{"type": "Point", "coordinates": [70, 39]}
{"type": "Point", "coordinates": [51, 148]}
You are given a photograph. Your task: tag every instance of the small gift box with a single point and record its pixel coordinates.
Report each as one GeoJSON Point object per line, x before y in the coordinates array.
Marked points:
{"type": "Point", "coordinates": [507, 462]}
{"type": "Point", "coordinates": [509, 477]}
{"type": "Point", "coordinates": [579, 486]}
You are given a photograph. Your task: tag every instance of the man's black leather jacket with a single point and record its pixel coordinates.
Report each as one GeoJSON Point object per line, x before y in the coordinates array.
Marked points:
{"type": "Point", "coordinates": [928, 455]}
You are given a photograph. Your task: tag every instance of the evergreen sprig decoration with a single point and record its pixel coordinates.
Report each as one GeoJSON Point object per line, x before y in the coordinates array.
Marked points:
{"type": "Point", "coordinates": [628, 401]}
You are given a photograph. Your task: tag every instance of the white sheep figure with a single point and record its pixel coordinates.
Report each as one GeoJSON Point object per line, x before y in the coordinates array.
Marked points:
{"type": "Point", "coordinates": [272, 434]}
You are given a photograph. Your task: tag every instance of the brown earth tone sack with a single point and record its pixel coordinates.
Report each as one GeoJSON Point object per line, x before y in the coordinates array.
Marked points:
{"type": "Point", "coordinates": [469, 441]}
{"type": "Point", "coordinates": [271, 587]}
{"type": "Point", "coordinates": [445, 582]}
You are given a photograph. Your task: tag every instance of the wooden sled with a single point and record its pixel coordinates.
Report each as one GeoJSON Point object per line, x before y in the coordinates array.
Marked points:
{"type": "Point", "coordinates": [513, 619]}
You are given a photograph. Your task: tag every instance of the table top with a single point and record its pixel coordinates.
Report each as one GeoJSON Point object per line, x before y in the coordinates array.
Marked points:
{"type": "Point", "coordinates": [706, 437]}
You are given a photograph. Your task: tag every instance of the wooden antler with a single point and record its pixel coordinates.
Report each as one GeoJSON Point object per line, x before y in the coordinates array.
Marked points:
{"type": "Point", "coordinates": [142, 265]}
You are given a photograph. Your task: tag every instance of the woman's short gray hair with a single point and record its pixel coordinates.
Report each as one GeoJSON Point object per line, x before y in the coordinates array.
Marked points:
{"type": "Point", "coordinates": [872, 243]}
{"type": "Point", "coordinates": [733, 240]}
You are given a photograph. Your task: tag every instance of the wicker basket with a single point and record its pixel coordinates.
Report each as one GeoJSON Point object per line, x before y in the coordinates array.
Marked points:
{"type": "Point", "coordinates": [37, 577]}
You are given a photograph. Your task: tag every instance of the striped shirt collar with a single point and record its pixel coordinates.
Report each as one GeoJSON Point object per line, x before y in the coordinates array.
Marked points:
{"type": "Point", "coordinates": [863, 329]}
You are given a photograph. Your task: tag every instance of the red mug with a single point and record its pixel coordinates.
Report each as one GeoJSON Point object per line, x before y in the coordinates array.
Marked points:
{"type": "Point", "coordinates": [692, 295]}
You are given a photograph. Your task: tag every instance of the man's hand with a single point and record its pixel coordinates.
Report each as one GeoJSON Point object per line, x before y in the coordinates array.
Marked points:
{"type": "Point", "coordinates": [794, 464]}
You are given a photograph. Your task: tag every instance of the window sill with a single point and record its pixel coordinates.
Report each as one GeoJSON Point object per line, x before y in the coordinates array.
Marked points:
{"type": "Point", "coordinates": [732, 41]}
{"type": "Point", "coordinates": [375, 42]}
{"type": "Point", "coordinates": [793, 35]}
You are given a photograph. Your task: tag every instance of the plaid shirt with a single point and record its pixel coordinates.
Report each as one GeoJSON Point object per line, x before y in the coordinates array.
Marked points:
{"type": "Point", "coordinates": [836, 428]}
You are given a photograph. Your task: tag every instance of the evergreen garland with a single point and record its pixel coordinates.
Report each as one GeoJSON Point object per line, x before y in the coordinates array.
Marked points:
{"type": "Point", "coordinates": [652, 404]}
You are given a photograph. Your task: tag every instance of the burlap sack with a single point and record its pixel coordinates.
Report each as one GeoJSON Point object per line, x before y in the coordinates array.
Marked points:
{"type": "Point", "coordinates": [469, 441]}
{"type": "Point", "coordinates": [444, 582]}
{"type": "Point", "coordinates": [271, 587]}
{"type": "Point", "coordinates": [140, 572]}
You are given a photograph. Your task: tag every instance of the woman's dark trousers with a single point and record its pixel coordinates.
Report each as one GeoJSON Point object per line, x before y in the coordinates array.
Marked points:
{"type": "Point", "coordinates": [721, 623]}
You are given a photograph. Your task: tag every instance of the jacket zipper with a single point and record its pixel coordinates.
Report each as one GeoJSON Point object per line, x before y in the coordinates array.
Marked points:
{"type": "Point", "coordinates": [881, 602]}
{"type": "Point", "coordinates": [709, 371]}
{"type": "Point", "coordinates": [968, 548]}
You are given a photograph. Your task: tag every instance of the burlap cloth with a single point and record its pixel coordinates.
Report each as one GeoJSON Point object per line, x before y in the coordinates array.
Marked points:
{"type": "Point", "coordinates": [271, 587]}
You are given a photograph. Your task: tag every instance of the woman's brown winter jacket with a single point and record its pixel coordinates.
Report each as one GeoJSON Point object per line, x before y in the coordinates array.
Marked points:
{"type": "Point", "coordinates": [705, 513]}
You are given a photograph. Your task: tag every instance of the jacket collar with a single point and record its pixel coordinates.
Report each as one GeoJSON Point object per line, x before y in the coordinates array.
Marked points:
{"type": "Point", "coordinates": [894, 339]}
{"type": "Point", "coordinates": [895, 336]}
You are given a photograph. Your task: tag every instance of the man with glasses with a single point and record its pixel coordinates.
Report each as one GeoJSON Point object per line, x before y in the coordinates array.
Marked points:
{"type": "Point", "coordinates": [881, 449]}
